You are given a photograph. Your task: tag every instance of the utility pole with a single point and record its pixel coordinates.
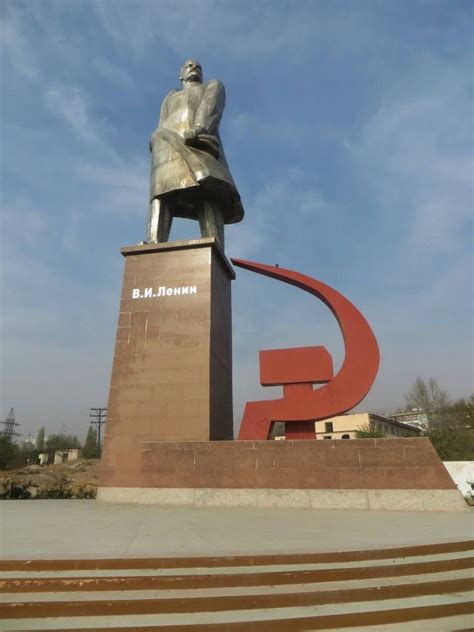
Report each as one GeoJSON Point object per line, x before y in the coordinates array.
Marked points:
{"type": "Point", "coordinates": [28, 447]}
{"type": "Point", "coordinates": [99, 415]}
{"type": "Point", "coordinates": [10, 425]}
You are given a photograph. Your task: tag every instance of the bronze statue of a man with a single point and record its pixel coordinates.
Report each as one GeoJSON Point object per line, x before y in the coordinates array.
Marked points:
{"type": "Point", "coordinates": [189, 173]}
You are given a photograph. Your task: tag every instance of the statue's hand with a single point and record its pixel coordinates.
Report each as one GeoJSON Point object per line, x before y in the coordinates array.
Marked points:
{"type": "Point", "coordinates": [193, 133]}
{"type": "Point", "coordinates": [205, 142]}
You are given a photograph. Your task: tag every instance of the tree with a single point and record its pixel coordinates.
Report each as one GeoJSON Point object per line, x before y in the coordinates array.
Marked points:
{"type": "Point", "coordinates": [462, 412]}
{"type": "Point", "coordinates": [89, 450]}
{"type": "Point", "coordinates": [61, 442]}
{"type": "Point", "coordinates": [40, 440]}
{"type": "Point", "coordinates": [450, 426]}
{"type": "Point", "coordinates": [8, 452]}
{"type": "Point", "coordinates": [28, 454]}
{"type": "Point", "coordinates": [428, 398]}
{"type": "Point", "coordinates": [369, 431]}
{"type": "Point", "coordinates": [453, 443]}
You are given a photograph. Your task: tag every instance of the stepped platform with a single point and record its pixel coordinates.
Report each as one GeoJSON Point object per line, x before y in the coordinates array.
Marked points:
{"type": "Point", "coordinates": [82, 565]}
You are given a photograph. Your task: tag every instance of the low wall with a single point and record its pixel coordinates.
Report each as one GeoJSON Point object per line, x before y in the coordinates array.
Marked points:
{"type": "Point", "coordinates": [462, 473]}
{"type": "Point", "coordinates": [403, 474]}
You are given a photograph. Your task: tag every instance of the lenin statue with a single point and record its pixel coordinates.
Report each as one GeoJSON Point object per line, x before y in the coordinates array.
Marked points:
{"type": "Point", "coordinates": [189, 173]}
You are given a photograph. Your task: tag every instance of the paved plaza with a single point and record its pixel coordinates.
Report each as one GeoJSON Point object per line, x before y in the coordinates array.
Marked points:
{"type": "Point", "coordinates": [85, 528]}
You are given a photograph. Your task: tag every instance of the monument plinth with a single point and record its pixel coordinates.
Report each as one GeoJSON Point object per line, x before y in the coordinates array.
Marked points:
{"type": "Point", "coordinates": [172, 369]}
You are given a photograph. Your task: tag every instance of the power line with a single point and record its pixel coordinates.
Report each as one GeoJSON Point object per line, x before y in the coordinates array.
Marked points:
{"type": "Point", "coordinates": [9, 426]}
{"type": "Point", "coordinates": [99, 415]}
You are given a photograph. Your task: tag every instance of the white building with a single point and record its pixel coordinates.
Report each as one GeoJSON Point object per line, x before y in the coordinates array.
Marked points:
{"type": "Point", "coordinates": [346, 426]}
{"type": "Point", "coordinates": [65, 456]}
{"type": "Point", "coordinates": [414, 418]}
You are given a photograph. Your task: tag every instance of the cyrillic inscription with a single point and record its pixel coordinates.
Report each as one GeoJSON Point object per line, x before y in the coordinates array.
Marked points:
{"type": "Point", "coordinates": [150, 292]}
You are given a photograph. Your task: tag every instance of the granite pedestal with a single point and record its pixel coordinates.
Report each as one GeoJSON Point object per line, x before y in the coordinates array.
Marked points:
{"type": "Point", "coordinates": [367, 474]}
{"type": "Point", "coordinates": [172, 369]}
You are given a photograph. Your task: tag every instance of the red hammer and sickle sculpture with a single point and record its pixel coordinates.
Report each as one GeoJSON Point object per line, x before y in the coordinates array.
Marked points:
{"type": "Point", "coordinates": [298, 369]}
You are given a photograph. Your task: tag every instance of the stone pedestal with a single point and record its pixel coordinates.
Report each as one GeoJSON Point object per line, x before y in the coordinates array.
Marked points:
{"type": "Point", "coordinates": [369, 474]}
{"type": "Point", "coordinates": [172, 370]}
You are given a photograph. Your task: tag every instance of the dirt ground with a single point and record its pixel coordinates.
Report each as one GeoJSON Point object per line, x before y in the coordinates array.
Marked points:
{"type": "Point", "coordinates": [69, 480]}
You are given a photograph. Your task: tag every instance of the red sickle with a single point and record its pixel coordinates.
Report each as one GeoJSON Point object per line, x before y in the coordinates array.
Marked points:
{"type": "Point", "coordinates": [346, 389]}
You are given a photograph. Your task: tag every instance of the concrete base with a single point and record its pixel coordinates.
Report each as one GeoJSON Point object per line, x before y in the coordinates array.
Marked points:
{"type": "Point", "coordinates": [435, 500]}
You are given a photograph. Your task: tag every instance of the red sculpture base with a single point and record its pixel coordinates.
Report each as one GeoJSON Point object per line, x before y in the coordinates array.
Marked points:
{"type": "Point", "coordinates": [300, 430]}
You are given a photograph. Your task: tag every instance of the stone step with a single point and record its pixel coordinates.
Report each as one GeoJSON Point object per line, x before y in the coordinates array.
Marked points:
{"type": "Point", "coordinates": [216, 580]}
{"type": "Point", "coordinates": [211, 561]}
{"type": "Point", "coordinates": [432, 584]}
{"type": "Point", "coordinates": [239, 590]}
{"type": "Point", "coordinates": [217, 603]}
{"type": "Point", "coordinates": [289, 619]}
{"type": "Point", "coordinates": [137, 572]}
{"type": "Point", "coordinates": [460, 623]}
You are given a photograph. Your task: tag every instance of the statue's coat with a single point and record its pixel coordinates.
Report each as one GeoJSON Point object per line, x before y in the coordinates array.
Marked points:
{"type": "Point", "coordinates": [193, 171]}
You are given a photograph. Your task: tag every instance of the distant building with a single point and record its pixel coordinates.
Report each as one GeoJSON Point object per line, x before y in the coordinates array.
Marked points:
{"type": "Point", "coordinates": [346, 426]}
{"type": "Point", "coordinates": [413, 418]}
{"type": "Point", "coordinates": [65, 456]}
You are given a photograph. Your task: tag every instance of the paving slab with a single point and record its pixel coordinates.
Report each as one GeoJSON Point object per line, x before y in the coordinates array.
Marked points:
{"type": "Point", "coordinates": [36, 529]}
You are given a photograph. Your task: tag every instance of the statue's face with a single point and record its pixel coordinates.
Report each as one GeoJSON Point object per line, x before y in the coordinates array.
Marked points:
{"type": "Point", "coordinates": [191, 71]}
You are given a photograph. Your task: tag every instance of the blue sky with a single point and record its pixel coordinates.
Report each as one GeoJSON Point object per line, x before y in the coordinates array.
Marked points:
{"type": "Point", "coordinates": [348, 129]}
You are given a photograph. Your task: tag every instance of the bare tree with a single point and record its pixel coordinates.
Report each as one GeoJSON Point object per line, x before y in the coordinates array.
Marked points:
{"type": "Point", "coordinates": [428, 398]}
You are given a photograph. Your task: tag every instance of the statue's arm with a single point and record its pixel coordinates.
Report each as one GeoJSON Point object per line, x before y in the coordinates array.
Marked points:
{"type": "Point", "coordinates": [164, 111]}
{"type": "Point", "coordinates": [209, 112]}
{"type": "Point", "coordinates": [165, 106]}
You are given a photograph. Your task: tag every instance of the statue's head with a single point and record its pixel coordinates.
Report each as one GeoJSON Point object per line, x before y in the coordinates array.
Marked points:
{"type": "Point", "coordinates": [191, 71]}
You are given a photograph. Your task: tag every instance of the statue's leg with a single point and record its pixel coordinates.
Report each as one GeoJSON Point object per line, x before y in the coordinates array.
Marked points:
{"type": "Point", "coordinates": [211, 222]}
{"type": "Point", "coordinates": [160, 218]}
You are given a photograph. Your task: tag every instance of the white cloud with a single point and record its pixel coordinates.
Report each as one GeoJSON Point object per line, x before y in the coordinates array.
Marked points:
{"type": "Point", "coordinates": [238, 31]}
{"type": "Point", "coordinates": [276, 212]}
{"type": "Point", "coordinates": [71, 104]}
{"type": "Point", "coordinates": [120, 186]}
{"type": "Point", "coordinates": [22, 220]}
{"type": "Point", "coordinates": [112, 73]}
{"type": "Point", "coordinates": [292, 196]}
{"type": "Point", "coordinates": [416, 153]}
{"type": "Point", "coordinates": [244, 126]}
{"type": "Point", "coordinates": [436, 222]}
{"type": "Point", "coordinates": [16, 46]}
{"type": "Point", "coordinates": [246, 239]}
